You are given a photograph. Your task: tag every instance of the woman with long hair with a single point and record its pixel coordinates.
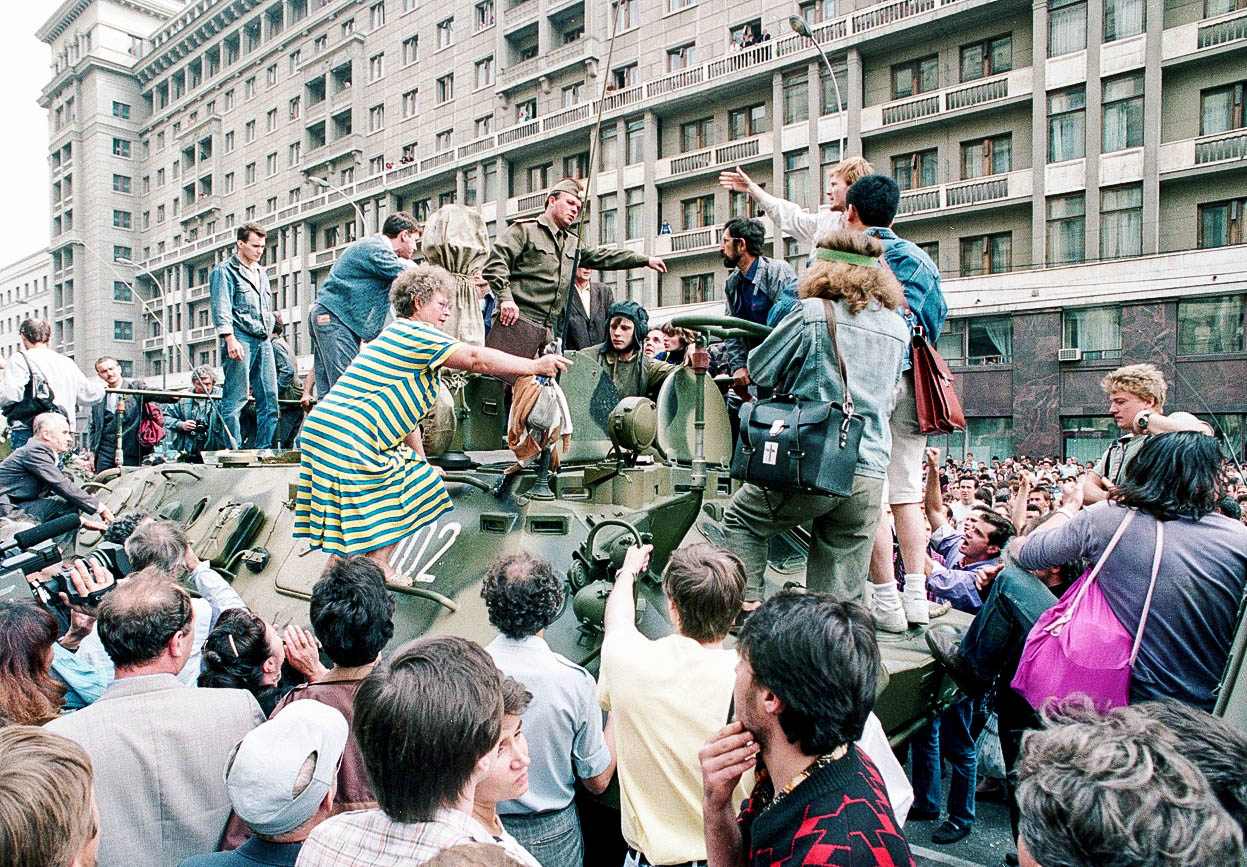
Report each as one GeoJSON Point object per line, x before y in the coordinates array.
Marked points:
{"type": "Point", "coordinates": [1174, 480]}
{"type": "Point", "coordinates": [28, 694]}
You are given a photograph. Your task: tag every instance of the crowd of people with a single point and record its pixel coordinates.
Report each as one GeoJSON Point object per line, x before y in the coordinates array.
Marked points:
{"type": "Point", "coordinates": [148, 724]}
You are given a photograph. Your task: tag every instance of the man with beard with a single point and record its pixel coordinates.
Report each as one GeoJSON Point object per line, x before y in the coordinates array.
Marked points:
{"type": "Point", "coordinates": [633, 372]}
{"type": "Point", "coordinates": [752, 288]}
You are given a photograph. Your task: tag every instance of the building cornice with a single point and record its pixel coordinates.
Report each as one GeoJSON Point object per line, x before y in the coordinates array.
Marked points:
{"type": "Point", "coordinates": [199, 23]}
{"type": "Point", "coordinates": [65, 14]}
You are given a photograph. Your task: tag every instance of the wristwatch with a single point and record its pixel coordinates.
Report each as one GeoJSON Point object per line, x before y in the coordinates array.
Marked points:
{"type": "Point", "coordinates": [1140, 420]}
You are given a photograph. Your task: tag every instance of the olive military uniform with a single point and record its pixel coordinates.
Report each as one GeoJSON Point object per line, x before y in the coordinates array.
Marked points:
{"type": "Point", "coordinates": [531, 265]}
{"type": "Point", "coordinates": [638, 376]}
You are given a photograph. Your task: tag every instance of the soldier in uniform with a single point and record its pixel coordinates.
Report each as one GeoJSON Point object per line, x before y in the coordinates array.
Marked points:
{"type": "Point", "coordinates": [530, 268]}
{"type": "Point", "coordinates": [633, 373]}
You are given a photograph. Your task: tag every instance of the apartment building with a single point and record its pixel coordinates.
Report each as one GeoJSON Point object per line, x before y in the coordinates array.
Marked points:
{"type": "Point", "coordinates": [25, 292]}
{"type": "Point", "coordinates": [1076, 167]}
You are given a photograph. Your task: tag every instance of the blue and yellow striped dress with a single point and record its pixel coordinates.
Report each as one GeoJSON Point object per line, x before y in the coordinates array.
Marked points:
{"type": "Point", "coordinates": [360, 487]}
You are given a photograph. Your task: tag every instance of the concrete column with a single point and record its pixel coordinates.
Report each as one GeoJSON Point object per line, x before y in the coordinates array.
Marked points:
{"type": "Point", "coordinates": [1039, 139]}
{"type": "Point", "coordinates": [461, 185]}
{"type": "Point", "coordinates": [649, 220]}
{"type": "Point", "coordinates": [814, 91]}
{"type": "Point", "coordinates": [1151, 127]}
{"type": "Point", "coordinates": [857, 91]}
{"type": "Point", "coordinates": [777, 149]}
{"type": "Point", "coordinates": [1095, 127]}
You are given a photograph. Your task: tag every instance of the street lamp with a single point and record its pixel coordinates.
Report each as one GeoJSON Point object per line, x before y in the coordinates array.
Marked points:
{"type": "Point", "coordinates": [164, 332]}
{"type": "Point", "coordinates": [802, 29]}
{"type": "Point", "coordinates": [324, 184]}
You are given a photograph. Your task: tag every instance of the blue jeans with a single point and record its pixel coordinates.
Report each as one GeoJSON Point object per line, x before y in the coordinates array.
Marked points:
{"type": "Point", "coordinates": [334, 347]}
{"type": "Point", "coordinates": [996, 636]}
{"type": "Point", "coordinates": [552, 838]}
{"type": "Point", "coordinates": [947, 736]}
{"type": "Point", "coordinates": [19, 436]}
{"type": "Point", "coordinates": [256, 371]}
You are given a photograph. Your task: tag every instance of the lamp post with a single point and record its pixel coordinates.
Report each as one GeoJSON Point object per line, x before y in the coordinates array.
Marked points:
{"type": "Point", "coordinates": [802, 29]}
{"type": "Point", "coordinates": [164, 332]}
{"type": "Point", "coordinates": [324, 184]}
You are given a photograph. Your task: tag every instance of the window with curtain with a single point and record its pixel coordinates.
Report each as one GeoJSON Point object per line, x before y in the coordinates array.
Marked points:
{"type": "Point", "coordinates": [1094, 330]}
{"type": "Point", "coordinates": [988, 57]}
{"type": "Point", "coordinates": [634, 140]}
{"type": "Point", "coordinates": [796, 97]}
{"type": "Point", "coordinates": [1067, 124]}
{"type": "Point", "coordinates": [1086, 437]}
{"type": "Point", "coordinates": [697, 212]}
{"type": "Point", "coordinates": [952, 342]}
{"type": "Point", "coordinates": [1232, 427]}
{"type": "Point", "coordinates": [609, 216]}
{"type": "Point", "coordinates": [989, 438]}
{"type": "Point", "coordinates": [1123, 18]}
{"type": "Point", "coordinates": [1123, 113]}
{"type": "Point", "coordinates": [1067, 26]}
{"type": "Point", "coordinates": [696, 289]}
{"type": "Point", "coordinates": [634, 203]}
{"type": "Point", "coordinates": [696, 134]}
{"type": "Point", "coordinates": [915, 76]}
{"type": "Point", "coordinates": [989, 340]}
{"type": "Point", "coordinates": [828, 104]}
{"type": "Point", "coordinates": [989, 156]}
{"type": "Point", "coordinates": [1121, 222]}
{"type": "Point", "coordinates": [1221, 108]}
{"type": "Point", "coordinates": [1221, 223]}
{"type": "Point", "coordinates": [797, 176]}
{"type": "Point", "coordinates": [1221, 7]}
{"type": "Point", "coordinates": [794, 255]}
{"type": "Point", "coordinates": [919, 169]}
{"type": "Point", "coordinates": [1065, 228]}
{"type": "Point", "coordinates": [609, 144]}
{"type": "Point", "coordinates": [744, 122]}
{"type": "Point", "coordinates": [986, 254]}
{"type": "Point", "coordinates": [1210, 325]}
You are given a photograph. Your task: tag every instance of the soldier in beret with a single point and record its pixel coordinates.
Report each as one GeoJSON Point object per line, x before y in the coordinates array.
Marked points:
{"type": "Point", "coordinates": [530, 268]}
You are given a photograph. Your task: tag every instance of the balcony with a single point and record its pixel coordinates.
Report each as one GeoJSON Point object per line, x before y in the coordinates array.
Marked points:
{"type": "Point", "coordinates": [960, 99]}
{"type": "Point", "coordinates": [351, 143]}
{"type": "Point", "coordinates": [996, 189]}
{"type": "Point", "coordinates": [202, 205]}
{"type": "Point", "coordinates": [437, 161]}
{"type": "Point", "coordinates": [530, 203]}
{"type": "Point", "coordinates": [205, 126]}
{"type": "Point", "coordinates": [1226, 149]}
{"type": "Point", "coordinates": [480, 146]}
{"type": "Point", "coordinates": [582, 50]}
{"type": "Point", "coordinates": [689, 241]}
{"type": "Point", "coordinates": [328, 257]}
{"type": "Point", "coordinates": [1186, 41]}
{"type": "Point", "coordinates": [198, 292]}
{"type": "Point", "coordinates": [153, 343]}
{"type": "Point", "coordinates": [743, 151]}
{"type": "Point", "coordinates": [198, 335]}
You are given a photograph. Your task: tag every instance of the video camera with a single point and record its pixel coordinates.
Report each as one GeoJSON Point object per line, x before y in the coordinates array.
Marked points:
{"type": "Point", "coordinates": [34, 550]}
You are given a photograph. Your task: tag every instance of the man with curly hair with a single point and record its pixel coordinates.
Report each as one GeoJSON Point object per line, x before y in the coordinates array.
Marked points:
{"type": "Point", "coordinates": [566, 738]}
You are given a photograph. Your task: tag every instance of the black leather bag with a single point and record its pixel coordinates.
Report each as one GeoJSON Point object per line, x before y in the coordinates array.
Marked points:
{"type": "Point", "coordinates": [36, 399]}
{"type": "Point", "coordinates": [801, 446]}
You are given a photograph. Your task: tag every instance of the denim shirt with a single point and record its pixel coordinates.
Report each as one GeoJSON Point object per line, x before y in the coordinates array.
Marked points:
{"type": "Point", "coordinates": [239, 305]}
{"type": "Point", "coordinates": [920, 279]}
{"type": "Point", "coordinates": [769, 277]}
{"type": "Point", "coordinates": [797, 358]}
{"type": "Point", "coordinates": [357, 290]}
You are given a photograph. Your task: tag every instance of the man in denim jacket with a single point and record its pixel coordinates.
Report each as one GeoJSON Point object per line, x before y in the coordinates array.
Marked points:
{"type": "Point", "coordinates": [243, 316]}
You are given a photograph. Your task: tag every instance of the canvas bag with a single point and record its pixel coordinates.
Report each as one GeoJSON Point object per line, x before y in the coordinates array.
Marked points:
{"type": "Point", "coordinates": [1079, 645]}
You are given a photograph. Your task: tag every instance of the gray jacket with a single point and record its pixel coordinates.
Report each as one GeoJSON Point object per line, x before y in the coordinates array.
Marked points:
{"type": "Point", "coordinates": [239, 304]}
{"type": "Point", "coordinates": [770, 276]}
{"type": "Point", "coordinates": [797, 358]}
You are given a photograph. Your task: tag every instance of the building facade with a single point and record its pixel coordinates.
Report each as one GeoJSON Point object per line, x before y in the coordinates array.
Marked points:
{"type": "Point", "coordinates": [25, 292]}
{"type": "Point", "coordinates": [1050, 154]}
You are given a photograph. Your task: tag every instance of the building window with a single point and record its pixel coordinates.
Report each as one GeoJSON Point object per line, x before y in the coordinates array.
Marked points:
{"type": "Point", "coordinates": [121, 147]}
{"type": "Point", "coordinates": [121, 184]}
{"type": "Point", "coordinates": [248, 174]}
{"type": "Point", "coordinates": [1210, 325]}
{"type": "Point", "coordinates": [1213, 8]}
{"type": "Point", "coordinates": [121, 110]}
{"type": "Point", "coordinates": [441, 141]}
{"type": "Point", "coordinates": [484, 14]}
{"type": "Point", "coordinates": [525, 110]}
{"type": "Point", "coordinates": [296, 153]}
{"type": "Point", "coordinates": [625, 76]}
{"type": "Point", "coordinates": [120, 252]}
{"type": "Point", "coordinates": [376, 165]}
{"type": "Point", "coordinates": [817, 11]}
{"type": "Point", "coordinates": [227, 101]}
{"type": "Point", "coordinates": [409, 103]}
{"type": "Point", "coordinates": [634, 137]}
{"type": "Point", "coordinates": [295, 105]}
{"type": "Point", "coordinates": [634, 201]}
{"type": "Point", "coordinates": [1067, 124]}
{"type": "Point", "coordinates": [989, 57]}
{"type": "Point", "coordinates": [986, 254]}
{"type": "Point", "coordinates": [376, 66]}
{"type": "Point", "coordinates": [123, 330]}
{"type": "Point", "coordinates": [989, 156]}
{"type": "Point", "coordinates": [916, 76]}
{"type": "Point", "coordinates": [696, 289]}
{"type": "Point", "coordinates": [797, 175]}
{"type": "Point", "coordinates": [270, 165]}
{"type": "Point", "coordinates": [445, 33]}
{"type": "Point", "coordinates": [1121, 222]}
{"type": "Point", "coordinates": [446, 89]}
{"type": "Point", "coordinates": [609, 223]}
{"type": "Point", "coordinates": [794, 255]}
{"type": "Point", "coordinates": [229, 142]}
{"type": "Point", "coordinates": [347, 28]}
{"type": "Point", "coordinates": [919, 169]}
{"type": "Point", "coordinates": [485, 72]}
{"type": "Point", "coordinates": [229, 182]}
{"type": "Point", "coordinates": [270, 120]}
{"type": "Point", "coordinates": [1094, 330]}
{"type": "Point", "coordinates": [1221, 108]}
{"type": "Point", "coordinates": [989, 340]}
{"type": "Point", "coordinates": [932, 249]}
{"type": "Point", "coordinates": [572, 94]}
{"type": "Point", "coordinates": [1067, 26]}
{"type": "Point", "coordinates": [951, 344]}
{"type": "Point", "coordinates": [248, 131]}
{"type": "Point", "coordinates": [483, 126]}
{"type": "Point", "coordinates": [1123, 113]}
{"type": "Point", "coordinates": [296, 58]}
{"type": "Point", "coordinates": [121, 219]}
{"type": "Point", "coordinates": [609, 143]}
{"type": "Point", "coordinates": [249, 88]}
{"type": "Point", "coordinates": [677, 5]}
{"type": "Point", "coordinates": [681, 57]}
{"type": "Point", "coordinates": [1065, 227]}
{"type": "Point", "coordinates": [988, 437]}
{"type": "Point", "coordinates": [696, 134]}
{"type": "Point", "coordinates": [576, 165]}
{"type": "Point", "coordinates": [1221, 223]}
{"type": "Point", "coordinates": [829, 104]}
{"type": "Point", "coordinates": [376, 16]}
{"type": "Point", "coordinates": [1123, 18]}
{"type": "Point", "coordinates": [270, 76]}
{"type": "Point", "coordinates": [539, 177]}
{"type": "Point", "coordinates": [376, 118]}
{"type": "Point", "coordinates": [121, 291]}
{"type": "Point", "coordinates": [411, 50]}
{"type": "Point", "coordinates": [697, 213]}
{"type": "Point", "coordinates": [744, 122]}
{"type": "Point", "coordinates": [625, 14]}
{"type": "Point", "coordinates": [796, 97]}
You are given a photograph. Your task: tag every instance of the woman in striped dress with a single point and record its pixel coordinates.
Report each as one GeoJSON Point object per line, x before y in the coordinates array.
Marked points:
{"type": "Point", "coordinates": [364, 483]}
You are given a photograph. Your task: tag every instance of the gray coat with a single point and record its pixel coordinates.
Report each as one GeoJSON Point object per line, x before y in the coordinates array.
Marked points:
{"type": "Point", "coordinates": [159, 750]}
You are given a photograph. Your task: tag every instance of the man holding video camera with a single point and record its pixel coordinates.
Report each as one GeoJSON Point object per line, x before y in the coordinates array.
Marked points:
{"type": "Point", "coordinates": [32, 482]}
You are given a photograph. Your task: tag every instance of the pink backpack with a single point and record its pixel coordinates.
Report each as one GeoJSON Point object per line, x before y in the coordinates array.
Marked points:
{"type": "Point", "coordinates": [1079, 645]}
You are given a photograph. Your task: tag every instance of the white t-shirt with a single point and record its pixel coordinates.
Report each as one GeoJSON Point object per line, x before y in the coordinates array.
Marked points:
{"type": "Point", "coordinates": [70, 386]}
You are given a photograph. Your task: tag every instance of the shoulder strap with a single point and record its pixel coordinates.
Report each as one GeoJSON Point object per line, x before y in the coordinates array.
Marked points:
{"type": "Point", "coordinates": [835, 344]}
{"type": "Point", "coordinates": [1095, 573]}
{"type": "Point", "coordinates": [1147, 603]}
{"type": "Point", "coordinates": [31, 370]}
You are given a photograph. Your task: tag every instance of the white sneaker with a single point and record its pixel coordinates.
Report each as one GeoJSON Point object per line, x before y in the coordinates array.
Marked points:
{"type": "Point", "coordinates": [914, 599]}
{"type": "Point", "coordinates": [890, 620]}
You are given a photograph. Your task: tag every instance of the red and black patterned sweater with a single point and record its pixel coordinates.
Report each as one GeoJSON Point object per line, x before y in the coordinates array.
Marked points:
{"type": "Point", "coordinates": [839, 816]}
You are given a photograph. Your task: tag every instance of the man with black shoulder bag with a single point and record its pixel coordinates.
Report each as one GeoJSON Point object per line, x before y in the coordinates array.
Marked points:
{"type": "Point", "coordinates": [819, 449]}
{"type": "Point", "coordinates": [39, 379]}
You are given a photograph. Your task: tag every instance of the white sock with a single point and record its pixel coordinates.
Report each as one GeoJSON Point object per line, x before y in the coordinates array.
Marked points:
{"type": "Point", "coordinates": [916, 585]}
{"type": "Point", "coordinates": [886, 596]}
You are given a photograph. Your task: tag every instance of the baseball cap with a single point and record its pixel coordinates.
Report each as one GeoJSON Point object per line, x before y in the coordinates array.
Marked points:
{"type": "Point", "coordinates": [262, 771]}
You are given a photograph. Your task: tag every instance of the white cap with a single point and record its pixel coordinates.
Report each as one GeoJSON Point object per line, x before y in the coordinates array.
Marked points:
{"type": "Point", "coordinates": [263, 768]}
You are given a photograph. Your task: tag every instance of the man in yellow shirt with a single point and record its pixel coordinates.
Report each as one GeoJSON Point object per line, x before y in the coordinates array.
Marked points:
{"type": "Point", "coordinates": [667, 697]}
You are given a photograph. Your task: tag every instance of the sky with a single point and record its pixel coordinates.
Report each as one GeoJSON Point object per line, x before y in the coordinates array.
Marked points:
{"type": "Point", "coordinates": [24, 70]}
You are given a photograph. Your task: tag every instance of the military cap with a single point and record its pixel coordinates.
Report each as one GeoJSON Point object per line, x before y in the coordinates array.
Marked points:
{"type": "Point", "coordinates": [568, 185]}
